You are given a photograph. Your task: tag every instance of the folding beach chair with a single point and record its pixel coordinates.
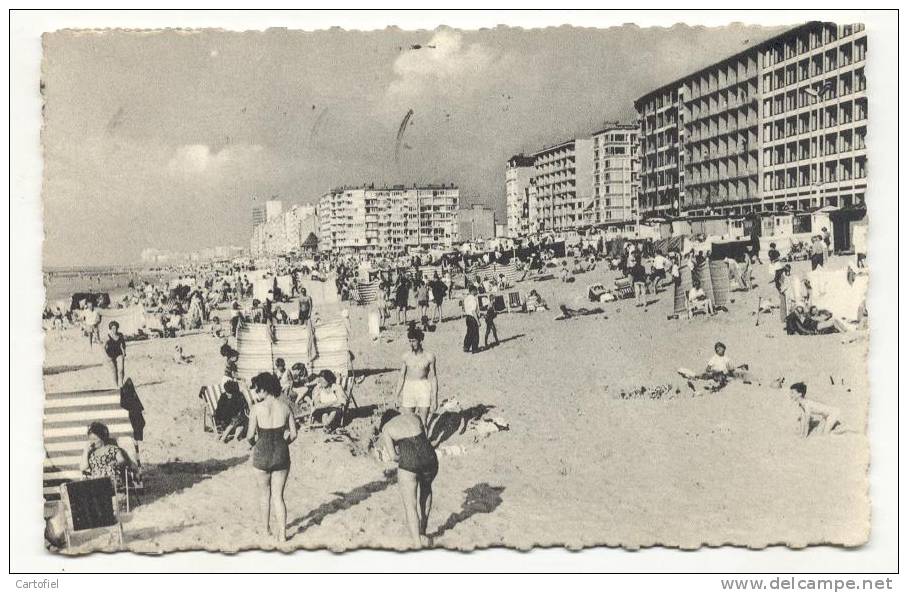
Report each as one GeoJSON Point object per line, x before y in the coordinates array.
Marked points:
{"type": "Point", "coordinates": [210, 396]}
{"type": "Point", "coordinates": [66, 418]}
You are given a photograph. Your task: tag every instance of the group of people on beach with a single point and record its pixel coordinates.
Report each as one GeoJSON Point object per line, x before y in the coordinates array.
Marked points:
{"type": "Point", "coordinates": [401, 440]}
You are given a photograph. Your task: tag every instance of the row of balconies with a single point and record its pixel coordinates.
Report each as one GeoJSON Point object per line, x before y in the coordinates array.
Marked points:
{"type": "Point", "coordinates": [783, 134]}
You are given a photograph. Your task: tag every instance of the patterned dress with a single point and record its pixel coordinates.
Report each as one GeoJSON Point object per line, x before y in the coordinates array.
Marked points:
{"type": "Point", "coordinates": [102, 463]}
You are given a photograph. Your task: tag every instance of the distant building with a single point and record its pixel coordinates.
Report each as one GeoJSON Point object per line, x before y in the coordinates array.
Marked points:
{"type": "Point", "coordinates": [564, 187]}
{"type": "Point", "coordinates": [779, 125]}
{"type": "Point", "coordinates": [388, 220]}
{"type": "Point", "coordinates": [519, 186]}
{"type": "Point", "coordinates": [284, 232]}
{"type": "Point", "coordinates": [615, 173]}
{"type": "Point", "coordinates": [269, 210]}
{"type": "Point", "coordinates": [476, 222]}
{"type": "Point", "coordinates": [153, 256]}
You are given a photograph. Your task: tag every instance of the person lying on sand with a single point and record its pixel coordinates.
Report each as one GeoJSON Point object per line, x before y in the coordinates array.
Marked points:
{"type": "Point", "coordinates": [568, 313]}
{"type": "Point", "coordinates": [826, 416]}
{"type": "Point", "coordinates": [403, 440]}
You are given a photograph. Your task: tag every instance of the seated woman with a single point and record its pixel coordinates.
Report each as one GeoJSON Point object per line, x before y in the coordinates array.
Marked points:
{"type": "Point", "coordinates": [232, 414]}
{"type": "Point", "coordinates": [102, 457]}
{"type": "Point", "coordinates": [698, 301]}
{"type": "Point", "coordinates": [329, 400]}
{"type": "Point", "coordinates": [536, 302]}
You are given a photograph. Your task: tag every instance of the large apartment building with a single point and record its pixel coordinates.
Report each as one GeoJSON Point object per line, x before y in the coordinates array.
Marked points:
{"type": "Point", "coordinates": [388, 220]}
{"type": "Point", "coordinates": [779, 125]}
{"type": "Point", "coordinates": [519, 186]}
{"type": "Point", "coordinates": [564, 186]}
{"type": "Point", "coordinates": [615, 173]}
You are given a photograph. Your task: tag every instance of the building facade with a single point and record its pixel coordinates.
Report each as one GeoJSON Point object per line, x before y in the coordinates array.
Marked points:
{"type": "Point", "coordinates": [519, 184]}
{"type": "Point", "coordinates": [388, 220]}
{"type": "Point", "coordinates": [564, 186]}
{"type": "Point", "coordinates": [285, 232]}
{"type": "Point", "coordinates": [269, 210]}
{"type": "Point", "coordinates": [615, 173]}
{"type": "Point", "coordinates": [778, 126]}
{"type": "Point", "coordinates": [476, 222]}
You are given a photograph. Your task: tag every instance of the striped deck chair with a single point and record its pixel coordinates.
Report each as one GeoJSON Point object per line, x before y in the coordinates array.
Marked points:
{"type": "Point", "coordinates": [367, 292]}
{"type": "Point", "coordinates": [66, 419]}
{"type": "Point", "coordinates": [210, 396]}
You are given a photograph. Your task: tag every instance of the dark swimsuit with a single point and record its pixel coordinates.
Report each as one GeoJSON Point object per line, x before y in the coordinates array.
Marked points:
{"type": "Point", "coordinates": [417, 456]}
{"type": "Point", "coordinates": [271, 452]}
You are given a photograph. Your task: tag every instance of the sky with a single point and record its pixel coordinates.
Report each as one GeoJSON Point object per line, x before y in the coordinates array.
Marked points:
{"type": "Point", "coordinates": [167, 139]}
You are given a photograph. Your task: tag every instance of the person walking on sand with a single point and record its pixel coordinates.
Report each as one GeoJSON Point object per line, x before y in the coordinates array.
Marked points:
{"type": "Point", "coordinates": [92, 324]}
{"type": "Point", "coordinates": [439, 291]}
{"type": "Point", "coordinates": [471, 315]}
{"type": "Point", "coordinates": [271, 429]}
{"type": "Point", "coordinates": [490, 316]}
{"type": "Point", "coordinates": [115, 348]}
{"type": "Point", "coordinates": [402, 439]}
{"type": "Point", "coordinates": [417, 386]}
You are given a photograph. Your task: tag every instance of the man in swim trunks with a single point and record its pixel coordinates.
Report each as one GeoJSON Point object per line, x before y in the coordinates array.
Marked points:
{"type": "Point", "coordinates": [418, 383]}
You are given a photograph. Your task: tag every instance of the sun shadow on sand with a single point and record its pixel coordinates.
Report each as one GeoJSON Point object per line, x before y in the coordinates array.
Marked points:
{"type": "Point", "coordinates": [481, 498]}
{"type": "Point", "coordinates": [359, 412]}
{"type": "Point", "coordinates": [363, 373]}
{"type": "Point", "coordinates": [149, 533]}
{"type": "Point", "coordinates": [68, 368]}
{"type": "Point", "coordinates": [503, 341]}
{"type": "Point", "coordinates": [167, 478]}
{"type": "Point", "coordinates": [344, 501]}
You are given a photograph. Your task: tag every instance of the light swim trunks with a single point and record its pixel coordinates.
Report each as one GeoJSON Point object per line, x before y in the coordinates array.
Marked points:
{"type": "Point", "coordinates": [417, 393]}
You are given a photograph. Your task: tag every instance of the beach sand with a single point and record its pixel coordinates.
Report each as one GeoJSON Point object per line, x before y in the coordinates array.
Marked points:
{"type": "Point", "coordinates": [578, 467]}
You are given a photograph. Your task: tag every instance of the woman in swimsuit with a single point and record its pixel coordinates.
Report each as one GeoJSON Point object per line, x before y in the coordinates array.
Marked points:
{"type": "Point", "coordinates": [115, 348]}
{"type": "Point", "coordinates": [271, 429]}
{"type": "Point", "coordinates": [403, 439]}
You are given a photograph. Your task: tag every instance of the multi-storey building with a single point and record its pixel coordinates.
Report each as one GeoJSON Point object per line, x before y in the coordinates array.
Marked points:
{"type": "Point", "coordinates": [476, 222]}
{"type": "Point", "coordinates": [269, 210]}
{"type": "Point", "coordinates": [564, 186]}
{"type": "Point", "coordinates": [615, 173]}
{"type": "Point", "coordinates": [519, 184]}
{"type": "Point", "coordinates": [284, 232]}
{"type": "Point", "coordinates": [778, 125]}
{"type": "Point", "coordinates": [388, 220]}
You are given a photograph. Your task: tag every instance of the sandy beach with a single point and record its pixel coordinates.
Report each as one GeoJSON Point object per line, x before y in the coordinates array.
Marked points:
{"type": "Point", "coordinates": [578, 466]}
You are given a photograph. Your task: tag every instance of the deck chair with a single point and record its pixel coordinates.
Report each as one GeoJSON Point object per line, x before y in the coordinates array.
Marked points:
{"type": "Point", "coordinates": [132, 487]}
{"type": "Point", "coordinates": [66, 417]}
{"type": "Point", "coordinates": [210, 396]}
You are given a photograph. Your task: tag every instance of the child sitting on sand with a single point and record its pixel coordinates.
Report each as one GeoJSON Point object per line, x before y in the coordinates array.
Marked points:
{"type": "Point", "coordinates": [179, 357]}
{"type": "Point", "coordinates": [827, 417]}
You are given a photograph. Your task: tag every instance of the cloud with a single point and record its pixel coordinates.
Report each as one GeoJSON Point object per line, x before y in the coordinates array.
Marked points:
{"type": "Point", "coordinates": [444, 58]}
{"type": "Point", "coordinates": [199, 159]}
